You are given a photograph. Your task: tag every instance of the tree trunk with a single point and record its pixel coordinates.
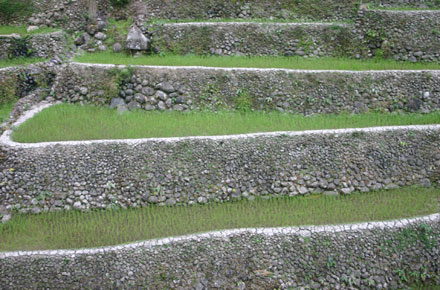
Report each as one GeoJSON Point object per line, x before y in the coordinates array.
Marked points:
{"type": "Point", "coordinates": [92, 11]}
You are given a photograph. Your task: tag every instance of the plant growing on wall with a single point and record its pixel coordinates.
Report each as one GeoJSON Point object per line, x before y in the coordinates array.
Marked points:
{"type": "Point", "coordinates": [119, 2]}
{"type": "Point", "coordinates": [12, 8]}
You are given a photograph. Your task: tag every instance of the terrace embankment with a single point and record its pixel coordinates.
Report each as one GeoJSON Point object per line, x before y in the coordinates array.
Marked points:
{"type": "Point", "coordinates": [402, 35]}
{"type": "Point", "coordinates": [250, 38]}
{"type": "Point", "coordinates": [37, 45]}
{"type": "Point", "coordinates": [130, 173]}
{"type": "Point", "coordinates": [305, 92]}
{"type": "Point", "coordinates": [386, 255]}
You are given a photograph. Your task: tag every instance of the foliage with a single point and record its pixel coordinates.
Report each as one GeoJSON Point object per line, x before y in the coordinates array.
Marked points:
{"type": "Point", "coordinates": [119, 3]}
{"type": "Point", "coordinates": [322, 63]}
{"type": "Point", "coordinates": [75, 229]}
{"type": "Point", "coordinates": [74, 122]}
{"type": "Point", "coordinates": [13, 8]}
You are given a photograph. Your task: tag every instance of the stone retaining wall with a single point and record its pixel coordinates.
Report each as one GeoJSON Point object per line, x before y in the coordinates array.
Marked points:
{"type": "Point", "coordinates": [402, 35]}
{"type": "Point", "coordinates": [303, 39]}
{"type": "Point", "coordinates": [18, 82]}
{"type": "Point", "coordinates": [131, 173]}
{"type": "Point", "coordinates": [385, 255]}
{"type": "Point", "coordinates": [38, 45]}
{"type": "Point", "coordinates": [305, 92]}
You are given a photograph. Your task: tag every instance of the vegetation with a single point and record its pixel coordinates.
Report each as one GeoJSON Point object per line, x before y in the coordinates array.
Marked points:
{"type": "Point", "coordinates": [73, 122]}
{"type": "Point", "coordinates": [255, 62]}
{"type": "Point", "coordinates": [13, 8]}
{"type": "Point", "coordinates": [5, 110]}
{"type": "Point", "coordinates": [19, 61]}
{"type": "Point", "coordinates": [73, 229]}
{"type": "Point", "coordinates": [22, 30]}
{"type": "Point", "coordinates": [119, 2]}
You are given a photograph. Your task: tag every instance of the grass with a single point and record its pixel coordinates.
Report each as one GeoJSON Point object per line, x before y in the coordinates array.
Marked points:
{"type": "Point", "coordinates": [65, 122]}
{"type": "Point", "coordinates": [19, 61]}
{"type": "Point", "coordinates": [6, 29]}
{"type": "Point", "coordinates": [73, 229]}
{"type": "Point", "coordinates": [5, 110]}
{"type": "Point", "coordinates": [326, 63]}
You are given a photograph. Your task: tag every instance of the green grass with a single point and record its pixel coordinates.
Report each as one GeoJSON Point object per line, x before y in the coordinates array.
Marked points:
{"type": "Point", "coordinates": [73, 229]}
{"type": "Point", "coordinates": [5, 110]}
{"type": "Point", "coordinates": [22, 30]}
{"type": "Point", "coordinates": [73, 122]}
{"type": "Point", "coordinates": [19, 61]}
{"type": "Point", "coordinates": [255, 62]}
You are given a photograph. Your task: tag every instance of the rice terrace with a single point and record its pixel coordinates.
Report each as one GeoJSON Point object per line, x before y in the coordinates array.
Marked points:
{"type": "Point", "coordinates": [213, 144]}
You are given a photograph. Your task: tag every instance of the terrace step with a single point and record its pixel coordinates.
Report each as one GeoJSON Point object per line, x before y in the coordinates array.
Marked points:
{"type": "Point", "coordinates": [296, 91]}
{"type": "Point", "coordinates": [37, 45]}
{"type": "Point", "coordinates": [402, 35]}
{"type": "Point", "coordinates": [252, 38]}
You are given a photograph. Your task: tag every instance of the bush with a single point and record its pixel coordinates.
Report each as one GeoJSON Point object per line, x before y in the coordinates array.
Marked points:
{"type": "Point", "coordinates": [119, 2]}
{"type": "Point", "coordinates": [13, 8]}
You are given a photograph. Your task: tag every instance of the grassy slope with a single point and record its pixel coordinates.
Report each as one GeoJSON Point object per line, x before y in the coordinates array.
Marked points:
{"type": "Point", "coordinates": [22, 30]}
{"type": "Point", "coordinates": [255, 62]}
{"type": "Point", "coordinates": [73, 122]}
{"type": "Point", "coordinates": [5, 110]}
{"type": "Point", "coordinates": [100, 228]}
{"type": "Point", "coordinates": [19, 61]}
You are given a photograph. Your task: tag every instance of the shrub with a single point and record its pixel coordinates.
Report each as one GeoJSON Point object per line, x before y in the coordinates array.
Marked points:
{"type": "Point", "coordinates": [119, 2]}
{"type": "Point", "coordinates": [13, 8]}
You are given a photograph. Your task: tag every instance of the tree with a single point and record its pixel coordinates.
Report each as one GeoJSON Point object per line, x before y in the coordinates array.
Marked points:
{"type": "Point", "coordinates": [92, 11]}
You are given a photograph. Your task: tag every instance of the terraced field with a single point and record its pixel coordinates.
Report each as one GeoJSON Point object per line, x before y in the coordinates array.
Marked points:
{"type": "Point", "coordinates": [220, 144]}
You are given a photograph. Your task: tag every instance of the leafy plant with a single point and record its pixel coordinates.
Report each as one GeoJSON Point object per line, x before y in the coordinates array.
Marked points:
{"type": "Point", "coordinates": [119, 3]}
{"type": "Point", "coordinates": [12, 8]}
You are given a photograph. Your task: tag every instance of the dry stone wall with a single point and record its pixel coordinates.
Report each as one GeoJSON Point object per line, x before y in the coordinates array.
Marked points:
{"type": "Point", "coordinates": [332, 257]}
{"type": "Point", "coordinates": [304, 92]}
{"type": "Point", "coordinates": [132, 173]}
{"type": "Point", "coordinates": [286, 39]}
{"type": "Point", "coordinates": [402, 35]}
{"type": "Point", "coordinates": [38, 45]}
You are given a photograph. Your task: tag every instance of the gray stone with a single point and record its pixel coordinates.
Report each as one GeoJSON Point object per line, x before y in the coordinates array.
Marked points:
{"type": "Point", "coordinates": [153, 199]}
{"type": "Point", "coordinates": [161, 95]}
{"type": "Point", "coordinates": [161, 105]}
{"type": "Point", "coordinates": [102, 47]}
{"type": "Point", "coordinates": [100, 36]}
{"type": "Point", "coordinates": [116, 102]}
{"type": "Point", "coordinates": [122, 108]}
{"type": "Point", "coordinates": [148, 91]}
{"type": "Point", "coordinates": [117, 47]}
{"type": "Point", "coordinates": [6, 218]}
{"type": "Point", "coordinates": [166, 87]}
{"type": "Point", "coordinates": [133, 105]}
{"type": "Point", "coordinates": [140, 98]}
{"type": "Point", "coordinates": [136, 40]}
{"type": "Point", "coordinates": [83, 91]}
{"type": "Point", "coordinates": [84, 38]}
{"type": "Point", "coordinates": [32, 28]}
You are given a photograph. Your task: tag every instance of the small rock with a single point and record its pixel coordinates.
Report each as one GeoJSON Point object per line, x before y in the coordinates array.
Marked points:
{"type": "Point", "coordinates": [116, 102]}
{"type": "Point", "coordinates": [102, 47]}
{"type": "Point", "coordinates": [6, 218]}
{"type": "Point", "coordinates": [166, 87]}
{"type": "Point", "coordinates": [153, 199]}
{"type": "Point", "coordinates": [83, 91]}
{"type": "Point", "coordinates": [161, 95]}
{"type": "Point", "coordinates": [32, 28]}
{"type": "Point", "coordinates": [133, 105]}
{"type": "Point", "coordinates": [148, 91]}
{"type": "Point", "coordinates": [100, 36]}
{"type": "Point", "coordinates": [117, 47]}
